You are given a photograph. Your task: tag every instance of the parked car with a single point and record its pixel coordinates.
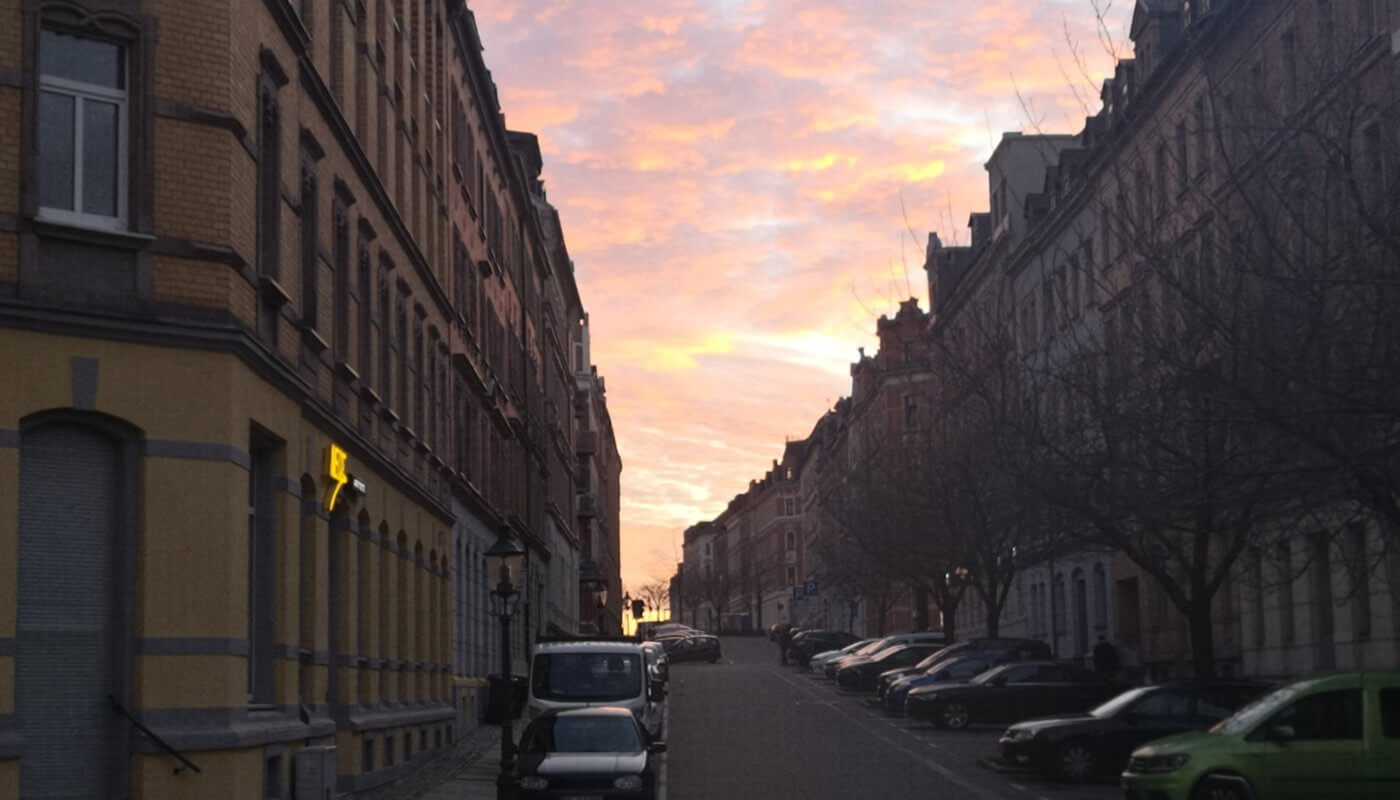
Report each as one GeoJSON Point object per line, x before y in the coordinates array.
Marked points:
{"type": "Point", "coordinates": [819, 661]}
{"type": "Point", "coordinates": [862, 676]}
{"type": "Point", "coordinates": [922, 637]}
{"type": "Point", "coordinates": [655, 630]}
{"type": "Point", "coordinates": [658, 666]}
{"type": "Point", "coordinates": [1078, 746]}
{"type": "Point", "coordinates": [809, 643]}
{"type": "Point", "coordinates": [999, 650]}
{"type": "Point", "coordinates": [694, 648]}
{"type": "Point", "coordinates": [574, 673]}
{"type": "Point", "coordinates": [1331, 736]}
{"type": "Point", "coordinates": [1010, 693]}
{"type": "Point", "coordinates": [599, 751]}
{"type": "Point", "coordinates": [958, 669]}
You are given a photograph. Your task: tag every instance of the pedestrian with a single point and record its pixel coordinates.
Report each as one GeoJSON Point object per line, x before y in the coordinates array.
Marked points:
{"type": "Point", "coordinates": [784, 642]}
{"type": "Point", "coordinates": [1106, 661]}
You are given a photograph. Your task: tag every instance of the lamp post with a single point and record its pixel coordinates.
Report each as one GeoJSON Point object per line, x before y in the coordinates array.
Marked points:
{"type": "Point", "coordinates": [504, 558]}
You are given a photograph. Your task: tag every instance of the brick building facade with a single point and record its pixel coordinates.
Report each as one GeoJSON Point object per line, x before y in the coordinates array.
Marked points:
{"type": "Point", "coordinates": [292, 343]}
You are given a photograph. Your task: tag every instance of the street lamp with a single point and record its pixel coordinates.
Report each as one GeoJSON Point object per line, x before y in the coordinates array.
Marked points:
{"type": "Point", "coordinates": [504, 559]}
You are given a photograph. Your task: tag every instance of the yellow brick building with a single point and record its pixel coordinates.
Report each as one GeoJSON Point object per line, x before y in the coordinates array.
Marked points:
{"type": "Point", "coordinates": [277, 327]}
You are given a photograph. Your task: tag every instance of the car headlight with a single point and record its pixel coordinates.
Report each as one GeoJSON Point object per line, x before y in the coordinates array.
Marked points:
{"type": "Point", "coordinates": [628, 782]}
{"type": "Point", "coordinates": [1152, 764]}
{"type": "Point", "coordinates": [534, 783]}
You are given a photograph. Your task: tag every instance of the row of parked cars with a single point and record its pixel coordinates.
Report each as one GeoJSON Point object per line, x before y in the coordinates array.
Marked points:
{"type": "Point", "coordinates": [1336, 736]}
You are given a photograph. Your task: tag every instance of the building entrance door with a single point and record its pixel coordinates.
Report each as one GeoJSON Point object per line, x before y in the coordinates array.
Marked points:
{"type": "Point", "coordinates": [70, 634]}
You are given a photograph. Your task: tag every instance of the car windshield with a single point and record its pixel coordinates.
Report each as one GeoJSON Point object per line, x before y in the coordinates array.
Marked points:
{"type": "Point", "coordinates": [586, 677]}
{"type": "Point", "coordinates": [586, 734]}
{"type": "Point", "coordinates": [1255, 712]}
{"type": "Point", "coordinates": [1122, 701]}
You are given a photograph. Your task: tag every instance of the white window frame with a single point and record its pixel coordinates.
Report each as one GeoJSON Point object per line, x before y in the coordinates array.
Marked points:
{"type": "Point", "coordinates": [82, 93]}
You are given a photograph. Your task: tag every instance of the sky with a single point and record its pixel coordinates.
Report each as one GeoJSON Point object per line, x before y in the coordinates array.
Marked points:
{"type": "Point", "coordinates": [747, 185]}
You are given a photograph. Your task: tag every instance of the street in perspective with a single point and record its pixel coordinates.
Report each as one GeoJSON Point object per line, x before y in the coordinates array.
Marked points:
{"type": "Point", "coordinates": [748, 727]}
{"type": "Point", "coordinates": [699, 400]}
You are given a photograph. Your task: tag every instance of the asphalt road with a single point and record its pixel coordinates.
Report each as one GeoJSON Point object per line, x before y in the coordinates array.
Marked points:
{"type": "Point", "coordinates": [749, 729]}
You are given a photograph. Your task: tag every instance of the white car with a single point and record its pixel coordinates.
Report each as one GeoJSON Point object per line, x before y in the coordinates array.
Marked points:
{"type": "Point", "coordinates": [581, 673]}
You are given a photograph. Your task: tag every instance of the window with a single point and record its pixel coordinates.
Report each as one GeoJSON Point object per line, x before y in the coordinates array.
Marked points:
{"type": "Point", "coordinates": [1289, 46]}
{"type": "Point", "coordinates": [792, 576]}
{"type": "Point", "coordinates": [310, 268]}
{"type": "Point", "coordinates": [82, 130]}
{"type": "Point", "coordinates": [1322, 716]}
{"type": "Point", "coordinates": [1100, 598]}
{"type": "Point", "coordinates": [1285, 592]}
{"type": "Point", "coordinates": [1202, 122]}
{"type": "Point", "coordinates": [340, 284]}
{"type": "Point", "coordinates": [1360, 578]}
{"type": "Point", "coordinates": [790, 506]}
{"type": "Point", "coordinates": [791, 541]}
{"type": "Point", "coordinates": [1162, 173]}
{"type": "Point", "coordinates": [1390, 713]}
{"type": "Point", "coordinates": [1366, 18]}
{"type": "Point", "coordinates": [1057, 601]}
{"type": "Point", "coordinates": [366, 305]}
{"type": "Point", "coordinates": [262, 548]}
{"type": "Point", "coordinates": [911, 411]}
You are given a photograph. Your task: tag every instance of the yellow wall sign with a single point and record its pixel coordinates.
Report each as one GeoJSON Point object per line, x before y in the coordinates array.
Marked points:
{"type": "Point", "coordinates": [335, 470]}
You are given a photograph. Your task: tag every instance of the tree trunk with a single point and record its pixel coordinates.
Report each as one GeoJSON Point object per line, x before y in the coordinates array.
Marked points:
{"type": "Point", "coordinates": [1202, 639]}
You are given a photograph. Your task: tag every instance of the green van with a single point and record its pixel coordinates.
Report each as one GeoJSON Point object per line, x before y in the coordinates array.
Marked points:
{"type": "Point", "coordinates": [1333, 736]}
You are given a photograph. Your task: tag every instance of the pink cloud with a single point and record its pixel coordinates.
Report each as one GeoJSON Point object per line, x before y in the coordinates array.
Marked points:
{"type": "Point", "coordinates": [734, 181]}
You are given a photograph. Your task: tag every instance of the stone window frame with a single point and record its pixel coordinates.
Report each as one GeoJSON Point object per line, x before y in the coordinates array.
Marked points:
{"type": "Point", "coordinates": [80, 94]}
{"type": "Point", "coordinates": [136, 34]}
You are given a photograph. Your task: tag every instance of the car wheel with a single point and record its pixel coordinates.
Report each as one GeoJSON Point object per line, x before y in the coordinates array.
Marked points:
{"type": "Point", "coordinates": [1074, 761]}
{"type": "Point", "coordinates": [955, 715]}
{"type": "Point", "coordinates": [1213, 787]}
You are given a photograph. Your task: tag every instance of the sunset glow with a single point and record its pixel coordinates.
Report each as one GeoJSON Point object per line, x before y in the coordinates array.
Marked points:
{"type": "Point", "coordinates": [746, 185]}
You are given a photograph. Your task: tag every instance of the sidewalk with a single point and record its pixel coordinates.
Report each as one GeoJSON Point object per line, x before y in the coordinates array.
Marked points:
{"type": "Point", "coordinates": [466, 771]}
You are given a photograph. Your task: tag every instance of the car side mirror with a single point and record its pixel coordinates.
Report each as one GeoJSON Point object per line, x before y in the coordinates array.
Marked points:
{"type": "Point", "coordinates": [1279, 734]}
{"type": "Point", "coordinates": [656, 747]}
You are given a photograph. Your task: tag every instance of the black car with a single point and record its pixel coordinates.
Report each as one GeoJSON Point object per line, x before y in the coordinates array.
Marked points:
{"type": "Point", "coordinates": [809, 643]}
{"type": "Point", "coordinates": [1011, 693]}
{"type": "Point", "coordinates": [587, 752]}
{"type": "Point", "coordinates": [862, 675]}
{"type": "Point", "coordinates": [895, 685]}
{"type": "Point", "coordinates": [1078, 746]}
{"type": "Point", "coordinates": [693, 648]}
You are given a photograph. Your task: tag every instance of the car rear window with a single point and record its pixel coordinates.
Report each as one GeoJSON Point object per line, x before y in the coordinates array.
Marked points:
{"type": "Point", "coordinates": [586, 677]}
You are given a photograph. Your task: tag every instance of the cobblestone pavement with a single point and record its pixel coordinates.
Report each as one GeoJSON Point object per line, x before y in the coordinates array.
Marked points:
{"type": "Point", "coordinates": [456, 774]}
{"type": "Point", "coordinates": [749, 728]}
